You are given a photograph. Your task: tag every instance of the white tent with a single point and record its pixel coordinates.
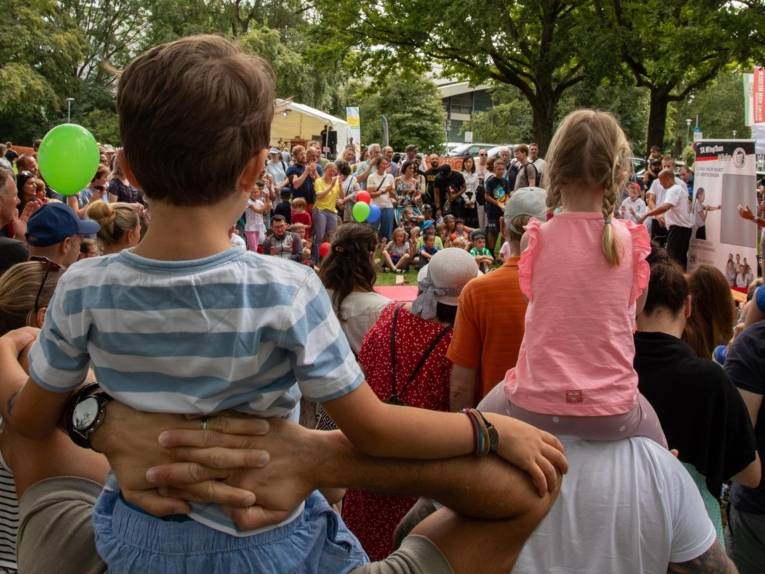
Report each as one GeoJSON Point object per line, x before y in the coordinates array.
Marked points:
{"type": "Point", "coordinates": [296, 121]}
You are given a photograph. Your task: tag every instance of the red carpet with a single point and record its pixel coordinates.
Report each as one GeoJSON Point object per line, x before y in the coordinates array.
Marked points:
{"type": "Point", "coordinates": [400, 293]}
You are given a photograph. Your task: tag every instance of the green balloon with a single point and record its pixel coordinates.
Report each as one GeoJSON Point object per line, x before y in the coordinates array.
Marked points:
{"type": "Point", "coordinates": [68, 158]}
{"type": "Point", "coordinates": [360, 211]}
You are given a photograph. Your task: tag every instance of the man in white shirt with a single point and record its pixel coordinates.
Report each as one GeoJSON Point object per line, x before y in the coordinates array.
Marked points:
{"type": "Point", "coordinates": [625, 506]}
{"type": "Point", "coordinates": [654, 197]}
{"type": "Point", "coordinates": [676, 204]}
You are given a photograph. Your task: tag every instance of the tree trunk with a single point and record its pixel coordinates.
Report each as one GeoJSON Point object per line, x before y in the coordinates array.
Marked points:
{"type": "Point", "coordinates": [543, 109]}
{"type": "Point", "coordinates": [657, 118]}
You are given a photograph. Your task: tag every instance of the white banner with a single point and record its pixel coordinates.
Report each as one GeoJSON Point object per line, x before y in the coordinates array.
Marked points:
{"type": "Point", "coordinates": [354, 129]}
{"type": "Point", "coordinates": [725, 177]}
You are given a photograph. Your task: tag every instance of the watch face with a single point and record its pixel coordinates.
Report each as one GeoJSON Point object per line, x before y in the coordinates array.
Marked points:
{"type": "Point", "coordinates": [85, 414]}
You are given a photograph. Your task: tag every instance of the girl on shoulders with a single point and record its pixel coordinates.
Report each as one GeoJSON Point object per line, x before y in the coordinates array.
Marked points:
{"type": "Point", "coordinates": [585, 275]}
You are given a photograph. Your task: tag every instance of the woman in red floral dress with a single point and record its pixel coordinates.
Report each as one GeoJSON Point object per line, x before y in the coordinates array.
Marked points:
{"type": "Point", "coordinates": [404, 358]}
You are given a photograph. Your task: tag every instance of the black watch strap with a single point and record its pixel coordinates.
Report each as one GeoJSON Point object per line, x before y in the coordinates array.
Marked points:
{"type": "Point", "coordinates": [493, 434]}
{"type": "Point", "coordinates": [81, 437]}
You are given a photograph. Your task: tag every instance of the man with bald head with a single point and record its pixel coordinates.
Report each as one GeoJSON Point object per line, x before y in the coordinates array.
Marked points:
{"type": "Point", "coordinates": [365, 168]}
{"type": "Point", "coordinates": [388, 154]}
{"type": "Point", "coordinates": [676, 205]}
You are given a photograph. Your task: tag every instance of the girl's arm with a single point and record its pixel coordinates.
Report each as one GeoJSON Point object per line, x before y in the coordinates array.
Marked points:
{"type": "Point", "coordinates": [258, 210]}
{"type": "Point", "coordinates": [380, 429]}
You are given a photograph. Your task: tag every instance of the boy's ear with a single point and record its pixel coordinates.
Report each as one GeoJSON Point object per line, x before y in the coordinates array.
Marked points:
{"type": "Point", "coordinates": [127, 170]}
{"type": "Point", "coordinates": [253, 171]}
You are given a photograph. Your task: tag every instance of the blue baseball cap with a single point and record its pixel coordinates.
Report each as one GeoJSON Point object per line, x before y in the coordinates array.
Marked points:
{"type": "Point", "coordinates": [54, 222]}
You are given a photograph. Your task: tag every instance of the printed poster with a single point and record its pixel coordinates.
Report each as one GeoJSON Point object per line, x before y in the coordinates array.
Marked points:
{"type": "Point", "coordinates": [354, 128]}
{"type": "Point", "coordinates": [725, 177]}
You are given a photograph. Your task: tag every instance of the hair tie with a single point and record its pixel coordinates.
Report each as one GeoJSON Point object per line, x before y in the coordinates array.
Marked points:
{"type": "Point", "coordinates": [608, 220]}
{"type": "Point", "coordinates": [338, 249]}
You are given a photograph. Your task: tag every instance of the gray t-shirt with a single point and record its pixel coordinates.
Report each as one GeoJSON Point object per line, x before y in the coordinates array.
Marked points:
{"type": "Point", "coordinates": [527, 176]}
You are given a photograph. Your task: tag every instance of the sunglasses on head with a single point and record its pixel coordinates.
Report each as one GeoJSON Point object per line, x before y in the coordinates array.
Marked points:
{"type": "Point", "coordinates": [49, 266]}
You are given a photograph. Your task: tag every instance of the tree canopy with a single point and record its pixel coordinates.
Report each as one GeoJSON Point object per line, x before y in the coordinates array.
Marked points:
{"type": "Point", "coordinates": [675, 48]}
{"type": "Point", "coordinates": [644, 60]}
{"type": "Point", "coordinates": [411, 105]}
{"type": "Point", "coordinates": [527, 44]}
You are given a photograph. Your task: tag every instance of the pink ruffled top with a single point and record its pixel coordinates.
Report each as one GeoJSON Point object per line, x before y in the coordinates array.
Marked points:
{"type": "Point", "coordinates": [577, 350]}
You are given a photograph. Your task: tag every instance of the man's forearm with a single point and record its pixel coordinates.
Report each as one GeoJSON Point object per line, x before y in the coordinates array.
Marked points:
{"type": "Point", "coordinates": [362, 177]}
{"type": "Point", "coordinates": [713, 561]}
{"type": "Point", "coordinates": [658, 211]}
{"type": "Point", "coordinates": [462, 386]}
{"type": "Point", "coordinates": [505, 491]}
{"type": "Point", "coordinates": [298, 181]}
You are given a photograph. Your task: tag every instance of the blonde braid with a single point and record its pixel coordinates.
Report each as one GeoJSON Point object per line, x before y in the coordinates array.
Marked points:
{"type": "Point", "coordinates": [609, 244]}
{"type": "Point", "coordinates": [553, 197]}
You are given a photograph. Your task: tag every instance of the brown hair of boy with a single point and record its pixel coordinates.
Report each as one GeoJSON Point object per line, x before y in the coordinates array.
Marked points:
{"type": "Point", "coordinates": [193, 113]}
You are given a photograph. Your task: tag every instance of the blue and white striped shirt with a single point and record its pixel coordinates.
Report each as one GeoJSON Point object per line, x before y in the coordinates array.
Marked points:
{"type": "Point", "coordinates": [233, 331]}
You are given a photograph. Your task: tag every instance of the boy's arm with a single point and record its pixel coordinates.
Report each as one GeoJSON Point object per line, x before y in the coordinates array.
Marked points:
{"type": "Point", "coordinates": [386, 430]}
{"type": "Point", "coordinates": [380, 429]}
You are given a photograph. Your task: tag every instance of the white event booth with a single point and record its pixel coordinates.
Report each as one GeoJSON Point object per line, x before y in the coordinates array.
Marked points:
{"type": "Point", "coordinates": [297, 123]}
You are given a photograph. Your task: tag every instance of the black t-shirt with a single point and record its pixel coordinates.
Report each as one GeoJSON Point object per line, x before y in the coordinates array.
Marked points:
{"type": "Point", "coordinates": [498, 188]}
{"type": "Point", "coordinates": [453, 179]}
{"type": "Point", "coordinates": [430, 182]}
{"type": "Point", "coordinates": [700, 410]}
{"type": "Point", "coordinates": [306, 190]}
{"type": "Point", "coordinates": [124, 193]}
{"type": "Point", "coordinates": [745, 366]}
{"type": "Point", "coordinates": [284, 208]}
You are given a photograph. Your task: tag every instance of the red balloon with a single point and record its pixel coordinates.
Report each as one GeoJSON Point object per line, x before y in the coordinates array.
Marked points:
{"type": "Point", "coordinates": [324, 249]}
{"type": "Point", "coordinates": [364, 196]}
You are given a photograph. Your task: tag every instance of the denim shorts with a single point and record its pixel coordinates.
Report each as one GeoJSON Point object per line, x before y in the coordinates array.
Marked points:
{"type": "Point", "coordinates": [130, 541]}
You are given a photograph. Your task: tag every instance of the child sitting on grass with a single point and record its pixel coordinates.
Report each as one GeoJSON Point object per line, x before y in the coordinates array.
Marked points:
{"type": "Point", "coordinates": [483, 257]}
{"type": "Point", "coordinates": [428, 250]}
{"type": "Point", "coordinates": [397, 252]}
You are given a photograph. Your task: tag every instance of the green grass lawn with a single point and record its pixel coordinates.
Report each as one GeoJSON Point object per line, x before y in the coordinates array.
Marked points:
{"type": "Point", "coordinates": [383, 278]}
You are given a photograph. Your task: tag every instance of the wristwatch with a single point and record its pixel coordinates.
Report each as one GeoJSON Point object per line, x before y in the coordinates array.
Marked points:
{"type": "Point", "coordinates": [85, 413]}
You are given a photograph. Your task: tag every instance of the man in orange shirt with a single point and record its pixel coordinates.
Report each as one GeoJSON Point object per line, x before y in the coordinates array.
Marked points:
{"type": "Point", "coordinates": [491, 313]}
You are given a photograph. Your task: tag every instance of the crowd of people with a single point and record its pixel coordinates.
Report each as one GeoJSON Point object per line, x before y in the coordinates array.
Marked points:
{"type": "Point", "coordinates": [516, 417]}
